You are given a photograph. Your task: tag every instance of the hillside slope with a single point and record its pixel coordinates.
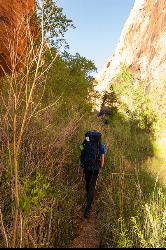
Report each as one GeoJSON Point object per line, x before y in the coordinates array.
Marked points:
{"type": "Point", "coordinates": [141, 46]}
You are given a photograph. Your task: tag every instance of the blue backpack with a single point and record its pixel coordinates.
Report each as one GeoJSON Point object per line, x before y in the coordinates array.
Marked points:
{"type": "Point", "coordinates": [90, 158]}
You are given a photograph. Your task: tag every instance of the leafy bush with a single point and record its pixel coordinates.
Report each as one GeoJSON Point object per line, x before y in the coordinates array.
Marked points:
{"type": "Point", "coordinates": [135, 102]}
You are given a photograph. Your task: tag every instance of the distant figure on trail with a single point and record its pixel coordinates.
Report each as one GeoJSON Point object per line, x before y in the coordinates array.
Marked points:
{"type": "Point", "coordinates": [91, 160]}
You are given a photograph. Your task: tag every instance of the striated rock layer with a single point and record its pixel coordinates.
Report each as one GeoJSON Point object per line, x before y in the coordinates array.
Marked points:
{"type": "Point", "coordinates": [142, 45]}
{"type": "Point", "coordinates": [13, 30]}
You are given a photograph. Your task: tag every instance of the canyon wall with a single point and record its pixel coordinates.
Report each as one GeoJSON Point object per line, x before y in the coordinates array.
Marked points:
{"type": "Point", "coordinates": [142, 46]}
{"type": "Point", "coordinates": [13, 31]}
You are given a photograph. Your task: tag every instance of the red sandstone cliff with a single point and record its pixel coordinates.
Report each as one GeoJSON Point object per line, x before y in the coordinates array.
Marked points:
{"type": "Point", "coordinates": [142, 45]}
{"type": "Point", "coordinates": [13, 30]}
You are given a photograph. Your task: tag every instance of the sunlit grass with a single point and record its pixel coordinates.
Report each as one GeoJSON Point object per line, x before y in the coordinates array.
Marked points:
{"type": "Point", "coordinates": [131, 206]}
{"type": "Point", "coordinates": [157, 164]}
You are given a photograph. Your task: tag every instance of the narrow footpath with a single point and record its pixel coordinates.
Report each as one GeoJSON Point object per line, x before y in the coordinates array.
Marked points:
{"type": "Point", "coordinates": [87, 232]}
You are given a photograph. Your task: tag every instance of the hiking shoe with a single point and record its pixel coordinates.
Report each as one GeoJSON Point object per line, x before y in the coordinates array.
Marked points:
{"type": "Point", "coordinates": [86, 213]}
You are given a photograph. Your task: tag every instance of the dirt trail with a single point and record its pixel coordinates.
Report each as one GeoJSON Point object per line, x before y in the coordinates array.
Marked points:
{"type": "Point", "coordinates": [87, 232]}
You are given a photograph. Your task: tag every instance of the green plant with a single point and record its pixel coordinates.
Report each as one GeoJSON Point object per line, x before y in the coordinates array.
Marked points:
{"type": "Point", "coordinates": [152, 232]}
{"type": "Point", "coordinates": [35, 191]}
{"type": "Point", "coordinates": [54, 22]}
{"type": "Point", "coordinates": [130, 200]}
{"type": "Point", "coordinates": [132, 100]}
{"type": "Point", "coordinates": [123, 239]}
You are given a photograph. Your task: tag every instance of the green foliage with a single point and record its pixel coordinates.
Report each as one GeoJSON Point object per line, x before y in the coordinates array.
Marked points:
{"type": "Point", "coordinates": [56, 24]}
{"type": "Point", "coordinates": [134, 142]}
{"type": "Point", "coordinates": [132, 100]}
{"type": "Point", "coordinates": [70, 77]}
{"type": "Point", "coordinates": [50, 192]}
{"type": "Point", "coordinates": [158, 103]}
{"type": "Point", "coordinates": [130, 201]}
{"type": "Point", "coordinates": [35, 192]}
{"type": "Point", "coordinates": [48, 159]}
{"type": "Point", "coordinates": [131, 212]}
{"type": "Point", "coordinates": [123, 241]}
{"type": "Point", "coordinates": [139, 102]}
{"type": "Point", "coordinates": [151, 234]}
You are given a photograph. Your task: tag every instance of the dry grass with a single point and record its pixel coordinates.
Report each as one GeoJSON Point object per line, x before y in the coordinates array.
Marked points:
{"type": "Point", "coordinates": [34, 154]}
{"type": "Point", "coordinates": [130, 197]}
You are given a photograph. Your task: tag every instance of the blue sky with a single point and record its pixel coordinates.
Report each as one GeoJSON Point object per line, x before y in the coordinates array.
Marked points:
{"type": "Point", "coordinates": [98, 26]}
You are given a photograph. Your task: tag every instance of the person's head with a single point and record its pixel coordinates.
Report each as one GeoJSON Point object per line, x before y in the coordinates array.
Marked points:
{"type": "Point", "coordinates": [93, 135]}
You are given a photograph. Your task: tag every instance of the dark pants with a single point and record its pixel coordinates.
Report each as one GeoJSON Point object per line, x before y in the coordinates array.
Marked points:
{"type": "Point", "coordinates": [90, 179]}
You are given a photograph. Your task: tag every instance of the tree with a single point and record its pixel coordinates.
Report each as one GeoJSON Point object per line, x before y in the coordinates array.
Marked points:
{"type": "Point", "coordinates": [56, 24]}
{"type": "Point", "coordinates": [70, 76]}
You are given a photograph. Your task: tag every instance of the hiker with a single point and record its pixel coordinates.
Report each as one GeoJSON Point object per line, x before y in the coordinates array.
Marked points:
{"type": "Point", "coordinates": [91, 160]}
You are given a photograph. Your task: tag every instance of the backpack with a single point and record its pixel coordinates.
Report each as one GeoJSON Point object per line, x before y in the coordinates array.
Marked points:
{"type": "Point", "coordinates": [90, 158]}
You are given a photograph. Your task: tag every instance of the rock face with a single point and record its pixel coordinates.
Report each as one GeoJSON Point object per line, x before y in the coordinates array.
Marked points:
{"type": "Point", "coordinates": [13, 30]}
{"type": "Point", "coordinates": [142, 45]}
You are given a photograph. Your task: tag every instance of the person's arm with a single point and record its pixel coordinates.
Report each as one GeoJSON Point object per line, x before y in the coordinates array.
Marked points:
{"type": "Point", "coordinates": [102, 155]}
{"type": "Point", "coordinates": [102, 160]}
{"type": "Point", "coordinates": [80, 169]}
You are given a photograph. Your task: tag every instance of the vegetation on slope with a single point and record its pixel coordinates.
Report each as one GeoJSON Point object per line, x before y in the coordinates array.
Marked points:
{"type": "Point", "coordinates": [42, 109]}
{"type": "Point", "coordinates": [132, 198]}
{"type": "Point", "coordinates": [45, 111]}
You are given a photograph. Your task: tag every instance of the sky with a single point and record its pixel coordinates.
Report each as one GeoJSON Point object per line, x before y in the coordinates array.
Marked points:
{"type": "Point", "coordinates": [99, 24]}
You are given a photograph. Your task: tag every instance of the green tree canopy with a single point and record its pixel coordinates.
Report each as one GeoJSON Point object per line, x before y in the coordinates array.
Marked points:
{"type": "Point", "coordinates": [55, 22]}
